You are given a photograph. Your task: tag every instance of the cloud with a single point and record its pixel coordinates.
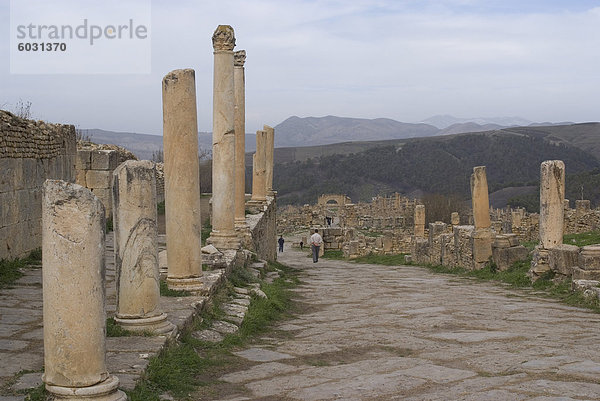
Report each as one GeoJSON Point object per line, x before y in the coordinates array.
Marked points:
{"type": "Point", "coordinates": [405, 60]}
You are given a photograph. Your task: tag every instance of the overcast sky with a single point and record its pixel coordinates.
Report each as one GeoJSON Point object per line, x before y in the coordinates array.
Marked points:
{"type": "Point", "coordinates": [406, 60]}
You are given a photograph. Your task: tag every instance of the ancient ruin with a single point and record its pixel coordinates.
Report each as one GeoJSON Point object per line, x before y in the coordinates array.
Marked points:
{"type": "Point", "coordinates": [239, 84]}
{"type": "Point", "coordinates": [136, 248]}
{"type": "Point", "coordinates": [259, 182]}
{"type": "Point", "coordinates": [223, 234]}
{"type": "Point", "coordinates": [74, 315]}
{"type": "Point", "coordinates": [182, 181]}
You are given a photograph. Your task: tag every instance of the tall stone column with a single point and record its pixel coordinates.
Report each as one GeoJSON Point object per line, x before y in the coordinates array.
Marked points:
{"type": "Point", "coordinates": [419, 221]}
{"type": "Point", "coordinates": [482, 235]}
{"type": "Point", "coordinates": [239, 83]}
{"type": "Point", "coordinates": [552, 195]}
{"type": "Point", "coordinates": [182, 181]}
{"type": "Point", "coordinates": [258, 169]}
{"type": "Point", "coordinates": [480, 198]}
{"type": "Point", "coordinates": [223, 234]}
{"type": "Point", "coordinates": [73, 292]}
{"type": "Point", "coordinates": [269, 155]}
{"type": "Point", "coordinates": [136, 248]}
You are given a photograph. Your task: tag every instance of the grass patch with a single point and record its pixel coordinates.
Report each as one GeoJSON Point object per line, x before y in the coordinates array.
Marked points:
{"type": "Point", "coordinates": [10, 270]}
{"type": "Point", "coordinates": [582, 239]}
{"type": "Point", "coordinates": [530, 245]}
{"type": "Point", "coordinates": [387, 260]}
{"type": "Point", "coordinates": [191, 365]}
{"type": "Point", "coordinates": [335, 254]}
{"type": "Point", "coordinates": [165, 291]}
{"type": "Point", "coordinates": [160, 208]}
{"type": "Point", "coordinates": [114, 330]}
{"type": "Point", "coordinates": [38, 393]}
{"type": "Point", "coordinates": [368, 233]}
{"type": "Point", "coordinates": [205, 233]}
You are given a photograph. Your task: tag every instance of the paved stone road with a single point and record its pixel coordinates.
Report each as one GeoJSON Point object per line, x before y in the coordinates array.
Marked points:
{"type": "Point", "coordinates": [402, 333]}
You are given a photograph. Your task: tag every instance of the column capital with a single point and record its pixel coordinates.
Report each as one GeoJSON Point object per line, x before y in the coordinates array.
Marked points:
{"type": "Point", "coordinates": [239, 58]}
{"type": "Point", "coordinates": [223, 38]}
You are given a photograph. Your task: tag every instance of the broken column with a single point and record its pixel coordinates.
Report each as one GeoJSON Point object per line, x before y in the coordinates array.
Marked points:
{"type": "Point", "coordinates": [552, 195]}
{"type": "Point", "coordinates": [73, 227]}
{"type": "Point", "coordinates": [182, 181]}
{"type": "Point", "coordinates": [239, 58]}
{"type": "Point", "coordinates": [552, 200]}
{"type": "Point", "coordinates": [455, 219]}
{"type": "Point", "coordinates": [420, 221]}
{"type": "Point", "coordinates": [258, 170]}
{"type": "Point", "coordinates": [269, 155]}
{"type": "Point", "coordinates": [482, 235]}
{"type": "Point", "coordinates": [136, 248]}
{"type": "Point", "coordinates": [223, 234]}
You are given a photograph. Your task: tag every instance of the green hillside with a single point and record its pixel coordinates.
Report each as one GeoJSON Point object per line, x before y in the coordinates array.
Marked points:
{"type": "Point", "coordinates": [432, 165]}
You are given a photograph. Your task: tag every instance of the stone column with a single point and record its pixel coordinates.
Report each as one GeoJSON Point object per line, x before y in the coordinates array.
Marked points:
{"type": "Point", "coordinates": [552, 194]}
{"type": "Point", "coordinates": [258, 169]}
{"type": "Point", "coordinates": [239, 83]}
{"type": "Point", "coordinates": [480, 198]}
{"type": "Point", "coordinates": [482, 235]}
{"type": "Point", "coordinates": [420, 221]}
{"type": "Point", "coordinates": [182, 181]}
{"type": "Point", "coordinates": [136, 248]}
{"type": "Point", "coordinates": [455, 219]}
{"type": "Point", "coordinates": [73, 293]}
{"type": "Point", "coordinates": [269, 155]}
{"type": "Point", "coordinates": [223, 234]}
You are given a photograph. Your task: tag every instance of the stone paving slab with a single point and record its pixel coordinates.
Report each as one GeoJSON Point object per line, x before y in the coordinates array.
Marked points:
{"type": "Point", "coordinates": [21, 333]}
{"type": "Point", "coordinates": [404, 333]}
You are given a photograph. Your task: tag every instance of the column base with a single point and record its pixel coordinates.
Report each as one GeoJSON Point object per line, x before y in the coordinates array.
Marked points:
{"type": "Point", "coordinates": [108, 390]}
{"type": "Point", "coordinates": [192, 284]}
{"type": "Point", "coordinates": [241, 224]}
{"type": "Point", "coordinates": [256, 205]}
{"type": "Point", "coordinates": [155, 324]}
{"type": "Point", "coordinates": [224, 241]}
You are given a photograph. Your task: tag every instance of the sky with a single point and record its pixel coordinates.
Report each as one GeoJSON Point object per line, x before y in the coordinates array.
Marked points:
{"type": "Point", "coordinates": [402, 59]}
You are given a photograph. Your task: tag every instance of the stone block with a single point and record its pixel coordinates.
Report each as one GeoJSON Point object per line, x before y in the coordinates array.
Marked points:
{"type": "Point", "coordinates": [563, 258]}
{"type": "Point", "coordinates": [104, 160]}
{"type": "Point", "coordinates": [589, 257]}
{"type": "Point", "coordinates": [482, 246]}
{"type": "Point", "coordinates": [83, 160]}
{"type": "Point", "coordinates": [505, 257]}
{"type": "Point", "coordinates": [98, 179]}
{"type": "Point", "coordinates": [80, 178]}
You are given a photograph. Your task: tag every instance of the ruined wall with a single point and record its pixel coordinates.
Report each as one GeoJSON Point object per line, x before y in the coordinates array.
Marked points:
{"type": "Point", "coordinates": [94, 167]}
{"type": "Point", "coordinates": [263, 232]}
{"type": "Point", "coordinates": [30, 153]}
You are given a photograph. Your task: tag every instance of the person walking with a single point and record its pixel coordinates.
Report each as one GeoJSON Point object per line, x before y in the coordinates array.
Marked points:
{"type": "Point", "coordinates": [315, 244]}
{"type": "Point", "coordinates": [281, 241]}
{"type": "Point", "coordinates": [301, 245]}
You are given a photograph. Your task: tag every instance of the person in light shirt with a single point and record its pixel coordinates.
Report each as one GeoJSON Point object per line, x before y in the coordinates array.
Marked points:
{"type": "Point", "coordinates": [315, 244]}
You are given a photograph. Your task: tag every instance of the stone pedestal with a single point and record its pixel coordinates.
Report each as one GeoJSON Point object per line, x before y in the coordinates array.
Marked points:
{"type": "Point", "coordinates": [239, 84]}
{"type": "Point", "coordinates": [419, 221]}
{"type": "Point", "coordinates": [482, 247]}
{"type": "Point", "coordinates": [73, 293]}
{"type": "Point", "coordinates": [540, 263]}
{"type": "Point", "coordinates": [136, 248]}
{"type": "Point", "coordinates": [506, 250]}
{"type": "Point", "coordinates": [589, 264]}
{"type": "Point", "coordinates": [269, 159]}
{"type": "Point", "coordinates": [258, 170]}
{"type": "Point", "coordinates": [563, 259]}
{"type": "Point", "coordinates": [223, 235]}
{"type": "Point", "coordinates": [552, 194]}
{"type": "Point", "coordinates": [182, 181]}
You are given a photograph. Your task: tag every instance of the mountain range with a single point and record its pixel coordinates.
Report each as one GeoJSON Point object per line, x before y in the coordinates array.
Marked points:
{"type": "Point", "coordinates": [315, 131]}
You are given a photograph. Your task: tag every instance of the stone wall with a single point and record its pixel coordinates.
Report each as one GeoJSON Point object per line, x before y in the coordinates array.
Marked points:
{"type": "Point", "coordinates": [30, 153]}
{"type": "Point", "coordinates": [94, 167]}
{"type": "Point", "coordinates": [263, 232]}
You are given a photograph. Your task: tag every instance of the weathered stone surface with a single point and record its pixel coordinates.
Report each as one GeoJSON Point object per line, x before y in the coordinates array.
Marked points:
{"type": "Point", "coordinates": [74, 317]}
{"type": "Point", "coordinates": [262, 355]}
{"type": "Point", "coordinates": [239, 84]}
{"type": "Point", "coordinates": [552, 195]}
{"type": "Point", "coordinates": [480, 198]}
{"type": "Point", "coordinates": [563, 258]}
{"type": "Point", "coordinates": [136, 248]}
{"type": "Point", "coordinates": [259, 168]}
{"type": "Point", "coordinates": [269, 155]}
{"type": "Point", "coordinates": [182, 181]}
{"type": "Point", "coordinates": [419, 218]}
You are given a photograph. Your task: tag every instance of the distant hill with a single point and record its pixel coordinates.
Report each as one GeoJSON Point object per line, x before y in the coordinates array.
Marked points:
{"type": "Point", "coordinates": [311, 131]}
{"type": "Point", "coordinates": [433, 165]}
{"type": "Point", "coordinates": [444, 121]}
